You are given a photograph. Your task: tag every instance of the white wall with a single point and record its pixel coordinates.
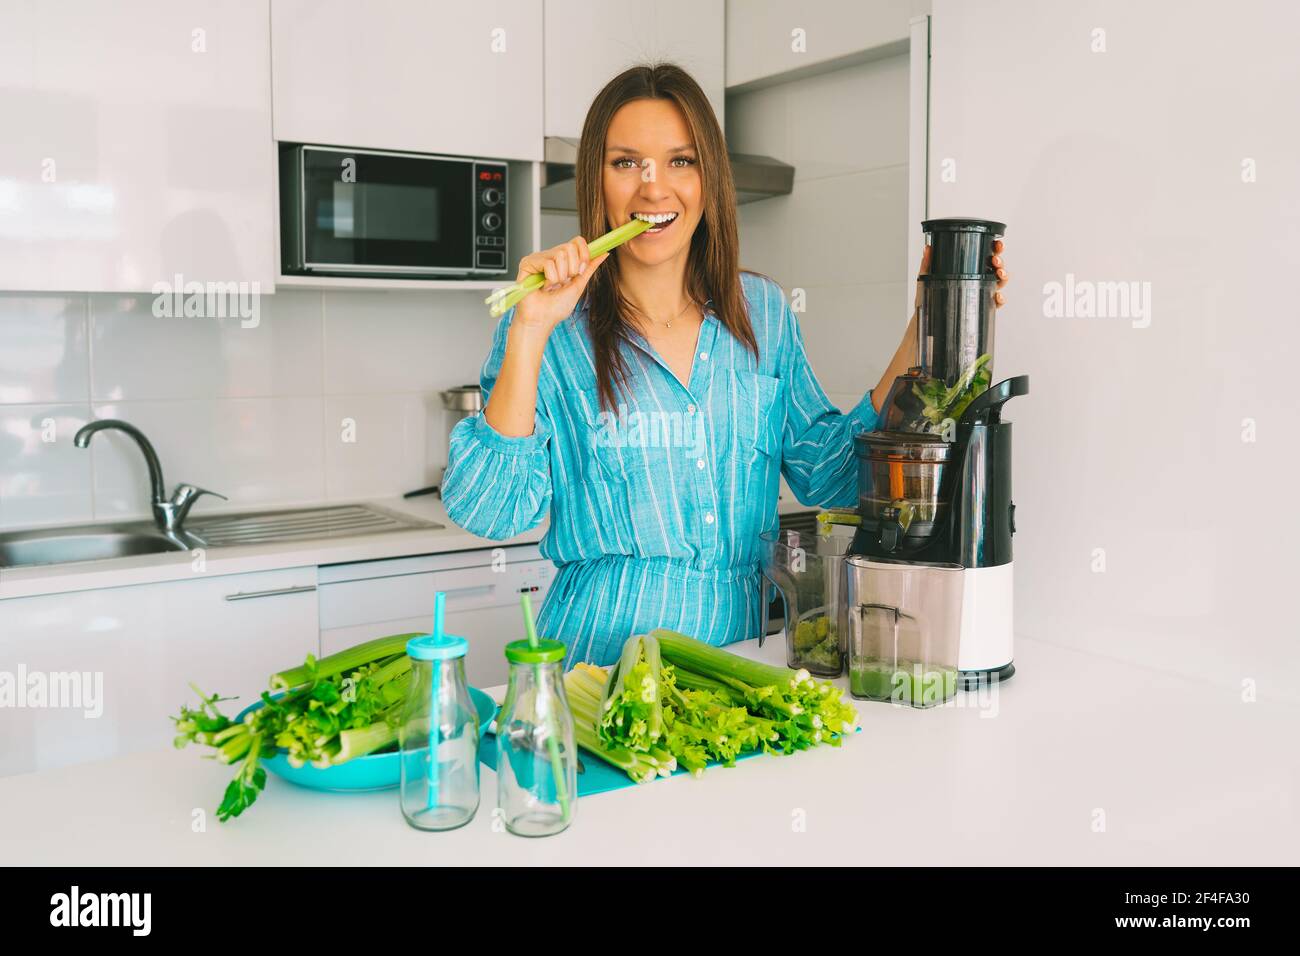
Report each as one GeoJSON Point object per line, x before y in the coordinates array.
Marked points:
{"type": "Point", "coordinates": [1127, 165]}
{"type": "Point", "coordinates": [254, 413]}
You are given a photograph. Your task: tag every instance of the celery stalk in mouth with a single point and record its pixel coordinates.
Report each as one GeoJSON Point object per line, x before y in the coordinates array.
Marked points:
{"type": "Point", "coordinates": [503, 300]}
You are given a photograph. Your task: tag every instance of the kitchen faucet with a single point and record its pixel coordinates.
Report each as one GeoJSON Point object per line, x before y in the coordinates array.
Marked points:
{"type": "Point", "coordinates": [168, 514]}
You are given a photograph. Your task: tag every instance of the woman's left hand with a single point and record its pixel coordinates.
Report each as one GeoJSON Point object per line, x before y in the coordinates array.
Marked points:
{"type": "Point", "coordinates": [996, 260]}
{"type": "Point", "coordinates": [1000, 265]}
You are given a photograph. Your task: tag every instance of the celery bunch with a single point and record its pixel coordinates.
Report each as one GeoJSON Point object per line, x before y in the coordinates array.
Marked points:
{"type": "Point", "coordinates": [703, 705]}
{"type": "Point", "coordinates": [632, 706]}
{"type": "Point", "coordinates": [708, 723]}
{"type": "Point", "coordinates": [344, 706]}
{"type": "Point", "coordinates": [585, 688]}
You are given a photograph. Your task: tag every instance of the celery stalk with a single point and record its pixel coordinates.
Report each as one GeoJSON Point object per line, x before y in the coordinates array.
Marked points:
{"type": "Point", "coordinates": [650, 646]}
{"type": "Point", "coordinates": [630, 657]}
{"type": "Point", "coordinates": [692, 681]}
{"type": "Point", "coordinates": [584, 708]}
{"type": "Point", "coordinates": [236, 748]}
{"type": "Point", "coordinates": [363, 740]}
{"type": "Point", "coordinates": [585, 684]}
{"type": "Point", "coordinates": [715, 662]}
{"type": "Point", "coordinates": [503, 300]}
{"type": "Point", "coordinates": [342, 662]}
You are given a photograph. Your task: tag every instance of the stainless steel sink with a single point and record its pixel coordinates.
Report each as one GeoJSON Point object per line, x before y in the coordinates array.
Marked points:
{"type": "Point", "coordinates": [82, 543]}
{"type": "Point", "coordinates": [97, 542]}
{"type": "Point", "coordinates": [330, 521]}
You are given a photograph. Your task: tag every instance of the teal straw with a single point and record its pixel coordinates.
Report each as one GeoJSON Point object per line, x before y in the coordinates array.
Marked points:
{"type": "Point", "coordinates": [439, 602]}
{"type": "Point", "coordinates": [552, 746]}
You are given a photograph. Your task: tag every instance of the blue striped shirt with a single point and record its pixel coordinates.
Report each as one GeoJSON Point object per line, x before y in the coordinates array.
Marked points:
{"type": "Point", "coordinates": [656, 508]}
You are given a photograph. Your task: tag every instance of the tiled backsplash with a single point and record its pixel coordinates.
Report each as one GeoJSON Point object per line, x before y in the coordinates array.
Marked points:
{"type": "Point", "coordinates": [333, 395]}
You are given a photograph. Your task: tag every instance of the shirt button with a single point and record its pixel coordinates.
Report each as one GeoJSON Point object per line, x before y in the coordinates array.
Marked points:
{"type": "Point", "coordinates": [699, 463]}
{"type": "Point", "coordinates": [690, 409]}
{"type": "Point", "coordinates": [708, 518]}
{"type": "Point", "coordinates": [704, 356]}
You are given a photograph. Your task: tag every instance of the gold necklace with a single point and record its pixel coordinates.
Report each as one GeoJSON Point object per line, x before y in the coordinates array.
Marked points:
{"type": "Point", "coordinates": [669, 323]}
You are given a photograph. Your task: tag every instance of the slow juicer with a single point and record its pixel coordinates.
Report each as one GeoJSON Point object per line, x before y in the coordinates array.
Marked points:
{"type": "Point", "coordinates": [934, 481]}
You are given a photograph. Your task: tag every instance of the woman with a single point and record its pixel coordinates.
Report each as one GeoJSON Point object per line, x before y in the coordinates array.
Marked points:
{"type": "Point", "coordinates": [652, 416]}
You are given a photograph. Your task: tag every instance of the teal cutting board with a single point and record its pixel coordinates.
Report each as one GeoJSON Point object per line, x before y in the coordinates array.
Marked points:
{"type": "Point", "coordinates": [597, 776]}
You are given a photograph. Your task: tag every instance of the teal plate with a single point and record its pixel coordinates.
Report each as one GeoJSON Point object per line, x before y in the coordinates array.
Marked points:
{"type": "Point", "coordinates": [596, 775]}
{"type": "Point", "coordinates": [371, 772]}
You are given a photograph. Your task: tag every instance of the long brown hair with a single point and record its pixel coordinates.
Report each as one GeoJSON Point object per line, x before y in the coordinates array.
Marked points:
{"type": "Point", "coordinates": [712, 270]}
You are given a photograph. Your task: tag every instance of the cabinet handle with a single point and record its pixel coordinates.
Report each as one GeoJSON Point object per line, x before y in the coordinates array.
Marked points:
{"type": "Point", "coordinates": [248, 595]}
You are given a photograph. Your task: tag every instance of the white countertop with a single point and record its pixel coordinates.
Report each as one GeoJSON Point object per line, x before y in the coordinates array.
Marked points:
{"type": "Point", "coordinates": [172, 566]}
{"type": "Point", "coordinates": [1185, 773]}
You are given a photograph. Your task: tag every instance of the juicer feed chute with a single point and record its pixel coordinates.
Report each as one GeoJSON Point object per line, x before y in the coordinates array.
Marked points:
{"type": "Point", "coordinates": [954, 330]}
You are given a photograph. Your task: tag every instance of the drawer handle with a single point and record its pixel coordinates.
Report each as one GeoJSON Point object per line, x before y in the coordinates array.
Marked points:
{"type": "Point", "coordinates": [249, 595]}
{"type": "Point", "coordinates": [471, 589]}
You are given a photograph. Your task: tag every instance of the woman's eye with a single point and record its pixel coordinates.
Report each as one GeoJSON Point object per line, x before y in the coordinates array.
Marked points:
{"type": "Point", "coordinates": [633, 164]}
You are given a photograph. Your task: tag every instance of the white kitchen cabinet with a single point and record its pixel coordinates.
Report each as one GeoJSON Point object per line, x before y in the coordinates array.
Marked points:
{"type": "Point", "coordinates": [462, 79]}
{"type": "Point", "coordinates": [226, 633]}
{"type": "Point", "coordinates": [136, 145]}
{"type": "Point", "coordinates": [362, 601]}
{"type": "Point", "coordinates": [771, 39]}
{"type": "Point", "coordinates": [588, 44]}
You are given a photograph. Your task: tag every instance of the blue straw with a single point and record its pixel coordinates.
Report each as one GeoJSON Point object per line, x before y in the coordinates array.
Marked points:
{"type": "Point", "coordinates": [439, 601]}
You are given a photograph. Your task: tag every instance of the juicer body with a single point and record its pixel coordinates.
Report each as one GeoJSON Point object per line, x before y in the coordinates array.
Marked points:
{"type": "Point", "coordinates": [934, 483]}
{"type": "Point", "coordinates": [976, 518]}
{"type": "Point", "coordinates": [983, 522]}
{"type": "Point", "coordinates": [973, 529]}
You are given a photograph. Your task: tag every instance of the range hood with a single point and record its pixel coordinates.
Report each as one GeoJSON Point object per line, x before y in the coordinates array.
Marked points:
{"type": "Point", "coordinates": [757, 177]}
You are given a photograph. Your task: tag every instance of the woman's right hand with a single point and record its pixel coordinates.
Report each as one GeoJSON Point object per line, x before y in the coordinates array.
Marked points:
{"type": "Point", "coordinates": [568, 268]}
{"type": "Point", "coordinates": [512, 404]}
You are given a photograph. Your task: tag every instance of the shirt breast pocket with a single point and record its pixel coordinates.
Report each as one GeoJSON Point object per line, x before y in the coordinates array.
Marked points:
{"type": "Point", "coordinates": [610, 469]}
{"type": "Point", "coordinates": [758, 418]}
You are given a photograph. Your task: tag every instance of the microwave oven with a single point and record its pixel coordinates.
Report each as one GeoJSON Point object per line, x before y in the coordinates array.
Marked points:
{"type": "Point", "coordinates": [379, 213]}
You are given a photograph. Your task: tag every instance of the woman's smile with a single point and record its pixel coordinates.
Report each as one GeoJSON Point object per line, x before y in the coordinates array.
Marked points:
{"type": "Point", "coordinates": [664, 221]}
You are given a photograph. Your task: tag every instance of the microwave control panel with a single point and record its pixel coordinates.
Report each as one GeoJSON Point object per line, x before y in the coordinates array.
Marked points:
{"type": "Point", "coordinates": [490, 217]}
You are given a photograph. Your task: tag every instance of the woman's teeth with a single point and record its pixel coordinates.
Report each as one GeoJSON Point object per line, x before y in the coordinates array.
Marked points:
{"type": "Point", "coordinates": [662, 220]}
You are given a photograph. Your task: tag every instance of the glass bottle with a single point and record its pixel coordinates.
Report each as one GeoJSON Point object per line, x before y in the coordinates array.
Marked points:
{"type": "Point", "coordinates": [438, 737]}
{"type": "Point", "coordinates": [537, 765]}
